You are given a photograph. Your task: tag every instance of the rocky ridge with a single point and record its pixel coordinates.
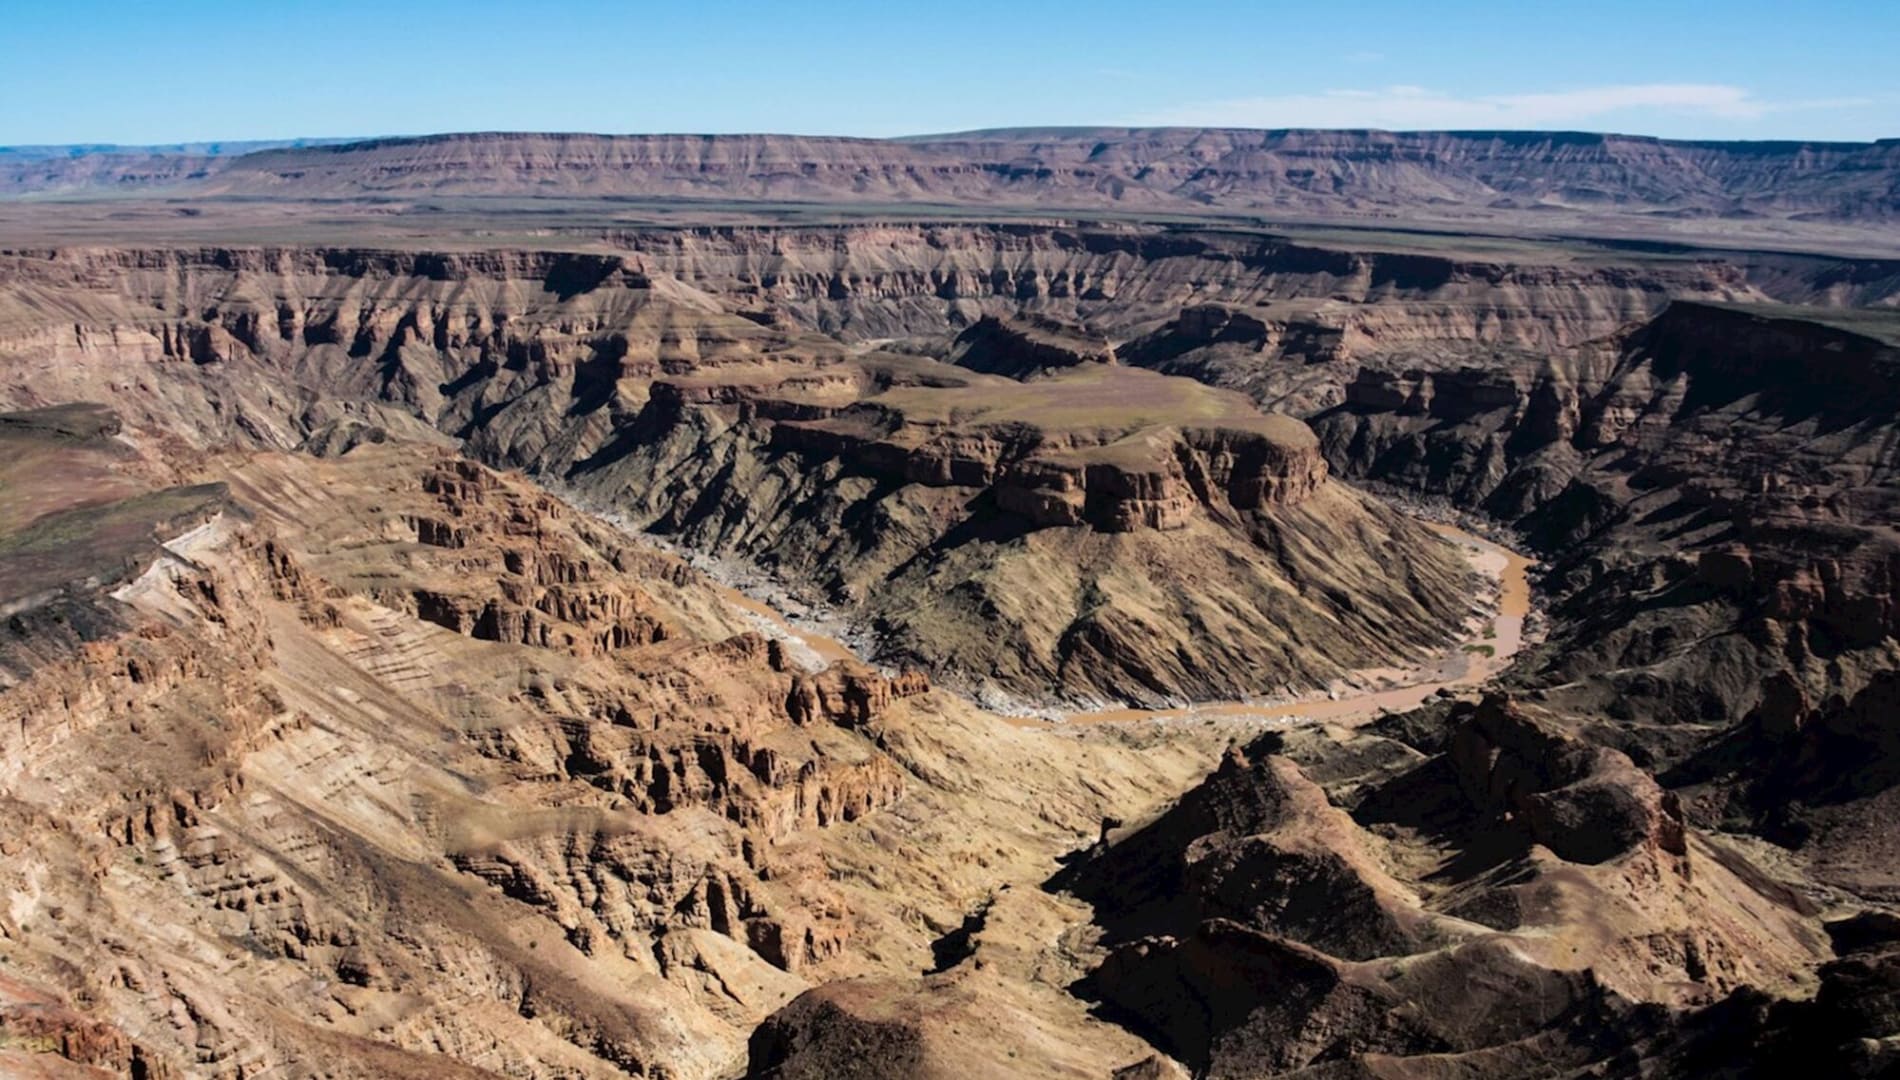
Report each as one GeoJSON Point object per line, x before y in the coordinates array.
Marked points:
{"type": "Point", "coordinates": [1287, 917]}
{"type": "Point", "coordinates": [1470, 176]}
{"type": "Point", "coordinates": [366, 842]}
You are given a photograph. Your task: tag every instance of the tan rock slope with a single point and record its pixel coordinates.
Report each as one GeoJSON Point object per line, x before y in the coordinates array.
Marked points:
{"type": "Point", "coordinates": [338, 741]}
{"type": "Point", "coordinates": [294, 808]}
{"type": "Point", "coordinates": [1514, 902]}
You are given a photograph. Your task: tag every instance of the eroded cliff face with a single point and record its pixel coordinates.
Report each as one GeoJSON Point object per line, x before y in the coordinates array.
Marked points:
{"type": "Point", "coordinates": [1002, 534]}
{"type": "Point", "coordinates": [435, 772]}
{"type": "Point", "coordinates": [674, 384]}
{"type": "Point", "coordinates": [538, 355]}
{"type": "Point", "coordinates": [881, 281]}
{"type": "Point", "coordinates": [1727, 463]}
{"type": "Point", "coordinates": [594, 830]}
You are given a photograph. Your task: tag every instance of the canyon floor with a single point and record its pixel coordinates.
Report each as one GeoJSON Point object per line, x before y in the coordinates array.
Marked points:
{"type": "Point", "coordinates": [566, 635]}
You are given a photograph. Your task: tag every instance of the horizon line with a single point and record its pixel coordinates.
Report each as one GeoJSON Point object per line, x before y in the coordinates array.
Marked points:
{"type": "Point", "coordinates": [214, 147]}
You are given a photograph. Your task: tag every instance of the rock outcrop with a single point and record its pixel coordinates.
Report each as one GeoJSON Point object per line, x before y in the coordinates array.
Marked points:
{"type": "Point", "coordinates": [353, 841]}
{"type": "Point", "coordinates": [1587, 804]}
{"type": "Point", "coordinates": [1260, 929]}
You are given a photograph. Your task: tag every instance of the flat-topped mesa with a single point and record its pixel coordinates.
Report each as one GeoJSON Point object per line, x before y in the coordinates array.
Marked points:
{"type": "Point", "coordinates": [1093, 444]}
{"type": "Point", "coordinates": [1151, 479]}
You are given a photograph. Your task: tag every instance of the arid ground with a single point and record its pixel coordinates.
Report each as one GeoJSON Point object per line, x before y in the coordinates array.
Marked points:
{"type": "Point", "coordinates": [1058, 603]}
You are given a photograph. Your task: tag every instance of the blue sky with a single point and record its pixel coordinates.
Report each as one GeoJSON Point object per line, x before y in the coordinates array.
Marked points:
{"type": "Point", "coordinates": [193, 70]}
